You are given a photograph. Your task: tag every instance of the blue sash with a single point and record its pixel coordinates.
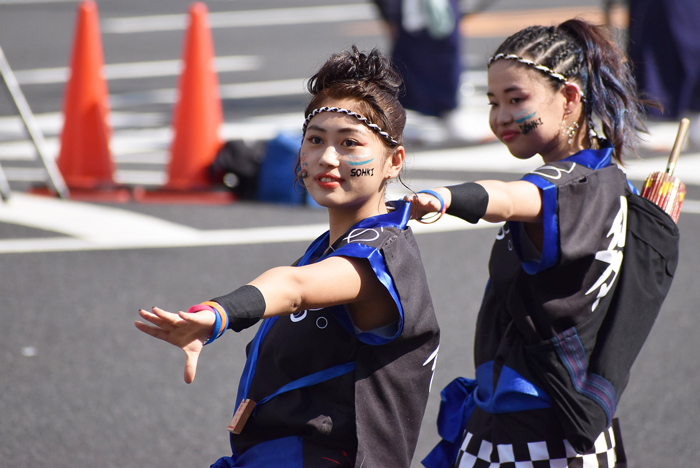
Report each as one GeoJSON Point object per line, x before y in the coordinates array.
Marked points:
{"type": "Point", "coordinates": [456, 405]}
{"type": "Point", "coordinates": [286, 452]}
{"type": "Point", "coordinates": [511, 393]}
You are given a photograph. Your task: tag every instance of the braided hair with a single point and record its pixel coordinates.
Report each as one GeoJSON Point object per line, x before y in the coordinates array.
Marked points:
{"type": "Point", "coordinates": [586, 54]}
{"type": "Point", "coordinates": [370, 81]}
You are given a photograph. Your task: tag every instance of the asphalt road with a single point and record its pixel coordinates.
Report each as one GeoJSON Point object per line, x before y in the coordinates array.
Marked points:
{"type": "Point", "coordinates": [80, 386]}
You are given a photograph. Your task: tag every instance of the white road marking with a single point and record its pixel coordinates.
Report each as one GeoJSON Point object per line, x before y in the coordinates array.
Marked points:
{"type": "Point", "coordinates": [690, 207]}
{"type": "Point", "coordinates": [95, 227]}
{"type": "Point", "coordinates": [258, 89]}
{"type": "Point", "coordinates": [494, 157]}
{"type": "Point", "coordinates": [151, 146]}
{"type": "Point", "coordinates": [22, 2]}
{"type": "Point", "coordinates": [120, 71]}
{"type": "Point", "coordinates": [98, 224]}
{"type": "Point", "coordinates": [241, 19]}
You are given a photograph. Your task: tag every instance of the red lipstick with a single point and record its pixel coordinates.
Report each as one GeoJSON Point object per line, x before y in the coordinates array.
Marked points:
{"type": "Point", "coordinates": [508, 135]}
{"type": "Point", "coordinates": [328, 181]}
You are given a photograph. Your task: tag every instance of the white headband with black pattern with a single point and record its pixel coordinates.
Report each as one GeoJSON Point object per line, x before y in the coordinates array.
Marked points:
{"type": "Point", "coordinates": [529, 63]}
{"type": "Point", "coordinates": [375, 128]}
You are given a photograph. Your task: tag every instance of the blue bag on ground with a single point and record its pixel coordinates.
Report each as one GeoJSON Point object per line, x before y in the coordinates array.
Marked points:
{"type": "Point", "coordinates": [277, 180]}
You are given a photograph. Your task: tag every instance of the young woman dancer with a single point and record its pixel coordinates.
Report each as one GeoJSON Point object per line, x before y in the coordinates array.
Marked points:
{"type": "Point", "coordinates": [550, 361]}
{"type": "Point", "coordinates": [339, 371]}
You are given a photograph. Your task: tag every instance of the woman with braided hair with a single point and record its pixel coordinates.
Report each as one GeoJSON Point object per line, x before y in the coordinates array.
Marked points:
{"type": "Point", "coordinates": [551, 356]}
{"type": "Point", "coordinates": [339, 371]}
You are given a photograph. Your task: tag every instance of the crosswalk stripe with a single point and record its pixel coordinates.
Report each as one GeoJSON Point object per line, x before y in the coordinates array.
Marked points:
{"type": "Point", "coordinates": [258, 89]}
{"type": "Point", "coordinates": [505, 23]}
{"type": "Point", "coordinates": [23, 2]}
{"type": "Point", "coordinates": [114, 229]}
{"type": "Point", "coordinates": [242, 19]}
{"type": "Point", "coordinates": [150, 146]}
{"type": "Point", "coordinates": [119, 71]}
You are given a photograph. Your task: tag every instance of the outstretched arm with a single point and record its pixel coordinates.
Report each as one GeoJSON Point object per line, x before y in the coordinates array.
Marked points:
{"type": "Point", "coordinates": [333, 281]}
{"type": "Point", "coordinates": [512, 201]}
{"type": "Point", "coordinates": [498, 201]}
{"type": "Point", "coordinates": [286, 290]}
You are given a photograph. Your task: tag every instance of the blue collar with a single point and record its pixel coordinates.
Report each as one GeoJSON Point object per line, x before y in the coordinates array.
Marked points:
{"type": "Point", "coordinates": [396, 219]}
{"type": "Point", "coordinates": [594, 159]}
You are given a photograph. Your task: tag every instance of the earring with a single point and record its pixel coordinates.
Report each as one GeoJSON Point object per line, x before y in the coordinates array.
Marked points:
{"type": "Point", "coordinates": [570, 131]}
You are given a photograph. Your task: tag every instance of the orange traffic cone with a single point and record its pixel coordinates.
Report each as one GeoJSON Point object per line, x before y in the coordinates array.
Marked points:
{"type": "Point", "coordinates": [84, 159]}
{"type": "Point", "coordinates": [198, 114]}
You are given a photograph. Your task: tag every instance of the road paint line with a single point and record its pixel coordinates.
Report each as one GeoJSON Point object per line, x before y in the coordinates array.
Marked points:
{"type": "Point", "coordinates": [51, 123]}
{"type": "Point", "coordinates": [153, 145]}
{"type": "Point", "coordinates": [96, 227]}
{"type": "Point", "coordinates": [691, 207]}
{"type": "Point", "coordinates": [489, 157]}
{"type": "Point", "coordinates": [22, 2]}
{"type": "Point", "coordinates": [94, 223]}
{"type": "Point", "coordinates": [133, 70]}
{"type": "Point", "coordinates": [505, 23]}
{"type": "Point", "coordinates": [495, 157]}
{"type": "Point", "coordinates": [258, 89]}
{"type": "Point", "coordinates": [242, 19]}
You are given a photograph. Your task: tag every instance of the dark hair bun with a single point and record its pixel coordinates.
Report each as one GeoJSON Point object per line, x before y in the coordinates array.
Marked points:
{"type": "Point", "coordinates": [353, 66]}
{"type": "Point", "coordinates": [369, 81]}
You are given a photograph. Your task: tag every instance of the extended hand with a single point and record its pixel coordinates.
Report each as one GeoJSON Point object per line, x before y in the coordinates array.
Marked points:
{"type": "Point", "coordinates": [187, 331]}
{"type": "Point", "coordinates": [425, 203]}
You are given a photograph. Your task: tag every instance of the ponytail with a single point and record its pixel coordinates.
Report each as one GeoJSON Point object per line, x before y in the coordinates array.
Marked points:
{"type": "Point", "coordinates": [611, 90]}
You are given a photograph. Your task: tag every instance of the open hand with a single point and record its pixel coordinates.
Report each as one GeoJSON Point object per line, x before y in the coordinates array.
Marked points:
{"type": "Point", "coordinates": [187, 331]}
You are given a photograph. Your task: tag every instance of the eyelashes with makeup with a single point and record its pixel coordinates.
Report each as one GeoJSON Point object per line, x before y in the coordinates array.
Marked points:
{"type": "Point", "coordinates": [353, 158]}
{"type": "Point", "coordinates": [349, 143]}
{"type": "Point", "coordinates": [512, 101]}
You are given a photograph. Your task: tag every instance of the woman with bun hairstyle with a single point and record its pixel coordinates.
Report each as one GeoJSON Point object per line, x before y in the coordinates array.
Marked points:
{"type": "Point", "coordinates": [553, 346]}
{"type": "Point", "coordinates": [339, 371]}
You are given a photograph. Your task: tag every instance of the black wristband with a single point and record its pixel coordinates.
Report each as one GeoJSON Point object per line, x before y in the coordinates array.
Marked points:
{"type": "Point", "coordinates": [245, 307]}
{"type": "Point", "coordinates": [469, 201]}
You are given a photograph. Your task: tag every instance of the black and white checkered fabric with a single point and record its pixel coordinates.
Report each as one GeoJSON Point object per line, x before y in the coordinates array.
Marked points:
{"type": "Point", "coordinates": [483, 454]}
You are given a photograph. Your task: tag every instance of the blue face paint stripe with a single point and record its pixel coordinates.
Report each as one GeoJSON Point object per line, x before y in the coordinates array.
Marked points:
{"type": "Point", "coordinates": [360, 163]}
{"type": "Point", "coordinates": [525, 118]}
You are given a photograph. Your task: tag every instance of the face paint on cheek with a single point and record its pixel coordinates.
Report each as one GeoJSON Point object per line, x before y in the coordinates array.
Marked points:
{"type": "Point", "coordinates": [523, 115]}
{"type": "Point", "coordinates": [527, 127]}
{"type": "Point", "coordinates": [358, 160]}
{"type": "Point", "coordinates": [526, 120]}
{"type": "Point", "coordinates": [360, 163]}
{"type": "Point", "coordinates": [362, 172]}
{"type": "Point", "coordinates": [303, 173]}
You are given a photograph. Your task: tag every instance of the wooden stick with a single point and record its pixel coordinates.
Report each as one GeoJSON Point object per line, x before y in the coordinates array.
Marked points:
{"type": "Point", "coordinates": [676, 150]}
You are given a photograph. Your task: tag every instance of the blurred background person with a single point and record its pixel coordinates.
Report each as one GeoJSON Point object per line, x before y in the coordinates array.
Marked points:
{"type": "Point", "coordinates": [426, 50]}
{"type": "Point", "coordinates": [664, 46]}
